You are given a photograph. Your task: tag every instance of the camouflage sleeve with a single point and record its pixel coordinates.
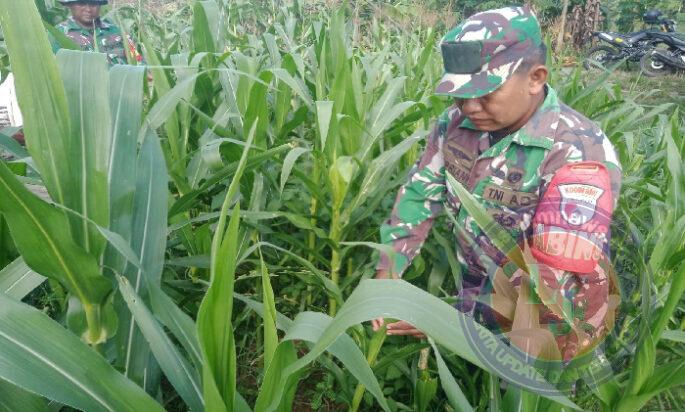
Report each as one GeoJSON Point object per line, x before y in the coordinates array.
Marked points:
{"type": "Point", "coordinates": [55, 43]}
{"type": "Point", "coordinates": [418, 202]}
{"type": "Point", "coordinates": [587, 145]}
{"type": "Point", "coordinates": [591, 302]}
{"type": "Point", "coordinates": [581, 183]}
{"type": "Point", "coordinates": [571, 232]}
{"type": "Point", "coordinates": [571, 221]}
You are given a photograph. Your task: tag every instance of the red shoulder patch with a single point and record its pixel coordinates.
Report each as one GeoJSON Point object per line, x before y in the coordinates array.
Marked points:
{"type": "Point", "coordinates": [571, 222]}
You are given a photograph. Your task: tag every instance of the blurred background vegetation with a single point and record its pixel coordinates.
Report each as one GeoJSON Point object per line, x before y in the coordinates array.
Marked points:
{"type": "Point", "coordinates": [623, 15]}
{"type": "Point", "coordinates": [210, 86]}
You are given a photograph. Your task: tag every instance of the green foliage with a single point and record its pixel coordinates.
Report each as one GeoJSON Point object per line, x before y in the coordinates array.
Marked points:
{"type": "Point", "coordinates": [629, 13]}
{"type": "Point", "coordinates": [273, 137]}
{"type": "Point", "coordinates": [51, 11]}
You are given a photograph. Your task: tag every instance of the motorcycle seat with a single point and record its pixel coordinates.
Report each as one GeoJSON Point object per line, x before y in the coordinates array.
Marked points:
{"type": "Point", "coordinates": [678, 40]}
{"type": "Point", "coordinates": [636, 37]}
{"type": "Point", "coordinates": [614, 37]}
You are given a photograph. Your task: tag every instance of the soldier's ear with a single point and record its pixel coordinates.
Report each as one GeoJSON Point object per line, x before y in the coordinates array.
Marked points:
{"type": "Point", "coordinates": [537, 77]}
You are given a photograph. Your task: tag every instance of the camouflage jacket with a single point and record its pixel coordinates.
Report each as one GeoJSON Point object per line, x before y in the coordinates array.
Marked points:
{"type": "Point", "coordinates": [105, 38]}
{"type": "Point", "coordinates": [508, 178]}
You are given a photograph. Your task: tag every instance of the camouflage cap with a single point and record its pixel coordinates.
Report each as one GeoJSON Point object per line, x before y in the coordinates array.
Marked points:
{"type": "Point", "coordinates": [485, 50]}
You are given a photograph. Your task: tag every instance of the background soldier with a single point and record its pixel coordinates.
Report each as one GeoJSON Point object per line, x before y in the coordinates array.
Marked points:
{"type": "Point", "coordinates": [93, 33]}
{"type": "Point", "coordinates": [545, 173]}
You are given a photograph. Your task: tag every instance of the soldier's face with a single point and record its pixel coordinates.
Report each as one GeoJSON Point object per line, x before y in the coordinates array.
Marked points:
{"type": "Point", "coordinates": [85, 13]}
{"type": "Point", "coordinates": [510, 106]}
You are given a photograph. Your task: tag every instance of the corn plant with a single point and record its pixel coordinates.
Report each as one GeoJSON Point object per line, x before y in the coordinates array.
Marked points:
{"type": "Point", "coordinates": [229, 209]}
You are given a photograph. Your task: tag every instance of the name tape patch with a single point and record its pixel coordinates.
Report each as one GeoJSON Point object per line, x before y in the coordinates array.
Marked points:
{"type": "Point", "coordinates": [509, 197]}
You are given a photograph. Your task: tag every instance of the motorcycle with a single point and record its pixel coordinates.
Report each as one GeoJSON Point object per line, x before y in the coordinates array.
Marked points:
{"type": "Point", "coordinates": [662, 61]}
{"type": "Point", "coordinates": [620, 46]}
{"type": "Point", "coordinates": [630, 47]}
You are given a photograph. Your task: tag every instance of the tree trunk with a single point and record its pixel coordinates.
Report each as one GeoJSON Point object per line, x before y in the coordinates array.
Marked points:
{"type": "Point", "coordinates": [562, 30]}
{"type": "Point", "coordinates": [598, 15]}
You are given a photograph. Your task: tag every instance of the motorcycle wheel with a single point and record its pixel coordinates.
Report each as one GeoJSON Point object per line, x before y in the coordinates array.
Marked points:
{"type": "Point", "coordinates": [599, 54]}
{"type": "Point", "coordinates": [653, 68]}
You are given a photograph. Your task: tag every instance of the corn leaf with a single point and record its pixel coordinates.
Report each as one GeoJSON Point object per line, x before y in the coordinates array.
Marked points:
{"type": "Point", "coordinates": [675, 293]}
{"type": "Point", "coordinates": [384, 122]}
{"type": "Point", "coordinates": [454, 393]}
{"type": "Point", "coordinates": [289, 162]}
{"type": "Point", "coordinates": [85, 77]}
{"type": "Point", "coordinates": [161, 81]}
{"type": "Point", "coordinates": [308, 326]}
{"type": "Point", "coordinates": [665, 377]}
{"type": "Point", "coordinates": [674, 335]}
{"type": "Point", "coordinates": [166, 105]}
{"type": "Point", "coordinates": [205, 26]}
{"type": "Point", "coordinates": [270, 332]}
{"type": "Point", "coordinates": [178, 323]}
{"type": "Point", "coordinates": [601, 380]}
{"type": "Point", "coordinates": [398, 299]}
{"type": "Point", "coordinates": [215, 330]}
{"type": "Point", "coordinates": [148, 242]}
{"type": "Point", "coordinates": [257, 114]}
{"type": "Point", "coordinates": [315, 275]}
{"type": "Point", "coordinates": [126, 106]}
{"type": "Point", "coordinates": [282, 322]}
{"type": "Point", "coordinates": [214, 319]}
{"type": "Point", "coordinates": [378, 171]}
{"type": "Point", "coordinates": [13, 399]}
{"type": "Point", "coordinates": [674, 162]}
{"type": "Point", "coordinates": [61, 368]}
{"type": "Point", "coordinates": [41, 233]}
{"type": "Point", "coordinates": [188, 200]}
{"type": "Point", "coordinates": [276, 377]}
{"type": "Point", "coordinates": [384, 105]}
{"type": "Point", "coordinates": [176, 368]}
{"type": "Point", "coordinates": [18, 280]}
{"type": "Point", "coordinates": [150, 202]}
{"type": "Point", "coordinates": [297, 85]}
{"type": "Point", "coordinates": [324, 113]}
{"type": "Point", "coordinates": [40, 92]}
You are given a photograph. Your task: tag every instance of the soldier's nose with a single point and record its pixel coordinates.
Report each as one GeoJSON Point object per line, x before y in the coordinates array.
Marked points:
{"type": "Point", "coordinates": [471, 106]}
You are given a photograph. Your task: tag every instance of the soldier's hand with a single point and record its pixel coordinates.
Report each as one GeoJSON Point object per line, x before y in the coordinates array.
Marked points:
{"type": "Point", "coordinates": [19, 137]}
{"type": "Point", "coordinates": [404, 328]}
{"type": "Point", "coordinates": [400, 328]}
{"type": "Point", "coordinates": [379, 322]}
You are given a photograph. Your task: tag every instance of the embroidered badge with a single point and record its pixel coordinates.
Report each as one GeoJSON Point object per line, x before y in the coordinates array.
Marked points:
{"type": "Point", "coordinates": [578, 202]}
{"type": "Point", "coordinates": [514, 176]}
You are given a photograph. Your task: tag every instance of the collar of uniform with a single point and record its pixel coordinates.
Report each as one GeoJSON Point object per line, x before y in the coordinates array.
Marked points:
{"type": "Point", "coordinates": [104, 24]}
{"type": "Point", "coordinates": [539, 130]}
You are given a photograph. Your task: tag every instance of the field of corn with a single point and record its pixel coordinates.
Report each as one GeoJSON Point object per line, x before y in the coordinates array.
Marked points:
{"type": "Point", "coordinates": [214, 218]}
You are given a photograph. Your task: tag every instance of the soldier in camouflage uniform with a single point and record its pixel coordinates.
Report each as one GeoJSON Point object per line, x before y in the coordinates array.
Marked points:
{"type": "Point", "coordinates": [544, 172]}
{"type": "Point", "coordinates": [92, 33]}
